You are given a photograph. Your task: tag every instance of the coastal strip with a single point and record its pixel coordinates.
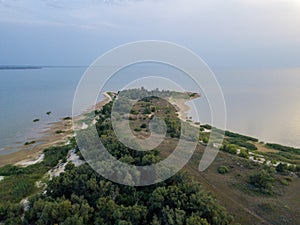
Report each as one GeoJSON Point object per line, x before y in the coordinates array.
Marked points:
{"type": "Point", "coordinates": [56, 133]}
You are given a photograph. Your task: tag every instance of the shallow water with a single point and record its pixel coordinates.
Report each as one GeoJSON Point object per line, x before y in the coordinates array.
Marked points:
{"type": "Point", "coordinates": [260, 103]}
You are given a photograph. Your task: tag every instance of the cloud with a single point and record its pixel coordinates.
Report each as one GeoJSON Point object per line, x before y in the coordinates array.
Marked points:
{"type": "Point", "coordinates": [243, 28]}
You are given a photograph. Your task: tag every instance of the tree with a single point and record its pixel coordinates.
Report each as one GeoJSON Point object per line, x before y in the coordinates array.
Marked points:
{"type": "Point", "coordinates": [196, 220]}
{"type": "Point", "coordinates": [263, 181]}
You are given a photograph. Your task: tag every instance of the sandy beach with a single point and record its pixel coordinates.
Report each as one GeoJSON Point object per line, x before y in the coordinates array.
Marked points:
{"type": "Point", "coordinates": [49, 137]}
{"type": "Point", "coordinates": [183, 109]}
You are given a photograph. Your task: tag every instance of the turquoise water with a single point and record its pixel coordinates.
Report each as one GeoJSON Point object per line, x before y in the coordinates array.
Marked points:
{"type": "Point", "coordinates": [260, 103]}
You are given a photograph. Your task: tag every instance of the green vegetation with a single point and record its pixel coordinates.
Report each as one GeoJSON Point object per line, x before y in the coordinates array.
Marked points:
{"type": "Point", "coordinates": [29, 142]}
{"type": "Point", "coordinates": [283, 148]}
{"type": "Point", "coordinates": [286, 157]}
{"type": "Point", "coordinates": [59, 131]}
{"type": "Point", "coordinates": [67, 118]}
{"type": "Point", "coordinates": [36, 120]}
{"type": "Point", "coordinates": [230, 148]}
{"type": "Point", "coordinates": [262, 181]}
{"type": "Point", "coordinates": [244, 154]}
{"type": "Point", "coordinates": [81, 196]}
{"type": "Point", "coordinates": [206, 126]}
{"type": "Point", "coordinates": [223, 169]}
{"type": "Point", "coordinates": [240, 136]}
{"type": "Point", "coordinates": [48, 113]}
{"type": "Point", "coordinates": [19, 181]}
{"type": "Point", "coordinates": [241, 143]}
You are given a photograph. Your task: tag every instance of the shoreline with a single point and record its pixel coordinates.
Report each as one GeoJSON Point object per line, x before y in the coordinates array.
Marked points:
{"type": "Point", "coordinates": [183, 109]}
{"type": "Point", "coordinates": [48, 137]}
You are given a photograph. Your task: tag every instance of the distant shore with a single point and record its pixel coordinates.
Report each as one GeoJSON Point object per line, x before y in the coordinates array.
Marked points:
{"type": "Point", "coordinates": [49, 137]}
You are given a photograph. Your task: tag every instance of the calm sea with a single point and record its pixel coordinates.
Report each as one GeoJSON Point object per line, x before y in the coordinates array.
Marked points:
{"type": "Point", "coordinates": [260, 103]}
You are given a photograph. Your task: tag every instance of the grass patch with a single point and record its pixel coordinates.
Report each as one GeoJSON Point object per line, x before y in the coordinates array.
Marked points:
{"type": "Point", "coordinates": [20, 181]}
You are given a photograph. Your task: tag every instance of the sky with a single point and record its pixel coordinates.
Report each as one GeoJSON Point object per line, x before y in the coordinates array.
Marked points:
{"type": "Point", "coordinates": [224, 33]}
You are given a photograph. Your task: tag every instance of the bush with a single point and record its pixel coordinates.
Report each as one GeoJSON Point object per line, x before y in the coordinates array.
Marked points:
{"type": "Point", "coordinates": [206, 126]}
{"type": "Point", "coordinates": [283, 148]}
{"type": "Point", "coordinates": [244, 154]}
{"type": "Point", "coordinates": [281, 167]}
{"type": "Point", "coordinates": [284, 182]}
{"type": "Point", "coordinates": [59, 131]}
{"type": "Point", "coordinates": [29, 142]}
{"type": "Point", "coordinates": [230, 148]}
{"type": "Point", "coordinates": [242, 143]}
{"type": "Point", "coordinates": [240, 136]}
{"type": "Point", "coordinates": [263, 181]}
{"type": "Point", "coordinates": [223, 170]}
{"type": "Point", "coordinates": [143, 125]}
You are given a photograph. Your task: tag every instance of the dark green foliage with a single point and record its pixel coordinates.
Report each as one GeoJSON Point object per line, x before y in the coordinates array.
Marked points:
{"type": "Point", "coordinates": [283, 148]}
{"type": "Point", "coordinates": [144, 126]}
{"type": "Point", "coordinates": [59, 131]}
{"type": "Point", "coordinates": [82, 196]}
{"type": "Point", "coordinates": [48, 113]}
{"type": "Point", "coordinates": [10, 213]}
{"type": "Point", "coordinates": [242, 143]}
{"type": "Point", "coordinates": [240, 136]}
{"type": "Point", "coordinates": [262, 181]}
{"type": "Point", "coordinates": [19, 181]}
{"type": "Point", "coordinates": [67, 118]}
{"type": "Point", "coordinates": [36, 120]}
{"type": "Point", "coordinates": [287, 157]}
{"type": "Point", "coordinates": [244, 154]}
{"type": "Point", "coordinates": [206, 126]}
{"type": "Point", "coordinates": [62, 211]}
{"type": "Point", "coordinates": [29, 142]}
{"type": "Point", "coordinates": [281, 167]}
{"type": "Point", "coordinates": [232, 149]}
{"type": "Point", "coordinates": [81, 193]}
{"type": "Point", "coordinates": [223, 169]}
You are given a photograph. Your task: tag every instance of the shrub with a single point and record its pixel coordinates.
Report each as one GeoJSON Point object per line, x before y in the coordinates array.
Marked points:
{"type": "Point", "coordinates": [29, 142]}
{"type": "Point", "coordinates": [230, 148]}
{"type": "Point", "coordinates": [242, 143]}
{"type": "Point", "coordinates": [143, 125]}
{"type": "Point", "coordinates": [223, 170]}
{"type": "Point", "coordinates": [59, 131]}
{"type": "Point", "coordinates": [263, 181]}
{"type": "Point", "coordinates": [281, 167]}
{"type": "Point", "coordinates": [244, 154]}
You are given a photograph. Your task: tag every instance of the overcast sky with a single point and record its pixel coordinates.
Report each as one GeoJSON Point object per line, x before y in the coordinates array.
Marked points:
{"type": "Point", "coordinates": [225, 33]}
